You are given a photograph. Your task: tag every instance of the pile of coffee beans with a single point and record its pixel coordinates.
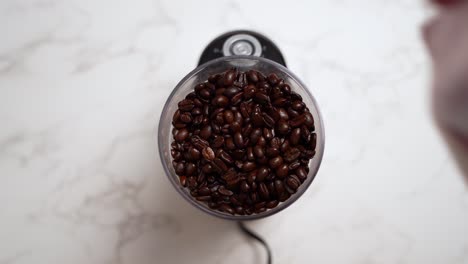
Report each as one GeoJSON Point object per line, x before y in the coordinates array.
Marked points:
{"type": "Point", "coordinates": [242, 142]}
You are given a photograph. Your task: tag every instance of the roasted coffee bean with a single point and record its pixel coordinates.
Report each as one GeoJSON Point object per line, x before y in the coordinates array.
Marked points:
{"type": "Point", "coordinates": [228, 117]}
{"type": "Point", "coordinates": [244, 187]}
{"type": "Point", "coordinates": [220, 101]}
{"type": "Point", "coordinates": [293, 183]}
{"type": "Point", "coordinates": [239, 140]}
{"type": "Point", "coordinates": [204, 191]}
{"type": "Point", "coordinates": [282, 171]}
{"type": "Point", "coordinates": [231, 91]}
{"type": "Point", "coordinates": [217, 142]}
{"type": "Point", "coordinates": [261, 141]}
{"type": "Point", "coordinates": [301, 173]}
{"type": "Point", "coordinates": [252, 76]}
{"type": "Point", "coordinates": [186, 105]}
{"type": "Point", "coordinates": [268, 120]}
{"type": "Point", "coordinates": [313, 141]}
{"type": "Point", "coordinates": [294, 165]}
{"type": "Point", "coordinates": [229, 143]}
{"type": "Point", "coordinates": [229, 77]}
{"type": "Point", "coordinates": [262, 173]}
{"type": "Point", "coordinates": [237, 98]}
{"type": "Point", "coordinates": [261, 98]}
{"type": "Point", "coordinates": [263, 191]}
{"type": "Point", "coordinates": [180, 169]}
{"type": "Point", "coordinates": [204, 198]}
{"type": "Point", "coordinates": [186, 118]}
{"type": "Point", "coordinates": [276, 162]}
{"type": "Point", "coordinates": [273, 79]}
{"type": "Point", "coordinates": [268, 133]}
{"type": "Point", "coordinates": [292, 155]}
{"type": "Point", "coordinates": [281, 101]}
{"type": "Point", "coordinates": [298, 121]}
{"type": "Point", "coordinates": [249, 91]}
{"type": "Point", "coordinates": [282, 127]}
{"type": "Point", "coordinates": [308, 119]}
{"type": "Point", "coordinates": [272, 204]}
{"type": "Point", "coordinates": [272, 152]}
{"type": "Point", "coordinates": [283, 114]}
{"type": "Point", "coordinates": [208, 153]}
{"type": "Point", "coordinates": [279, 187]}
{"type": "Point", "coordinates": [298, 105]}
{"type": "Point", "coordinates": [295, 136]}
{"type": "Point", "coordinates": [285, 146]}
{"type": "Point", "coordinates": [181, 135]}
{"type": "Point", "coordinates": [275, 142]}
{"type": "Point", "coordinates": [206, 132]}
{"type": "Point", "coordinates": [190, 169]}
{"type": "Point", "coordinates": [224, 191]}
{"type": "Point", "coordinates": [176, 115]}
{"type": "Point", "coordinates": [248, 166]}
{"type": "Point", "coordinates": [183, 181]}
{"type": "Point", "coordinates": [218, 163]}
{"type": "Point", "coordinates": [250, 154]}
{"type": "Point", "coordinates": [239, 210]}
{"type": "Point", "coordinates": [235, 127]}
{"type": "Point", "coordinates": [226, 208]}
{"type": "Point", "coordinates": [284, 196]}
{"type": "Point", "coordinates": [207, 168]}
{"type": "Point", "coordinates": [258, 151]}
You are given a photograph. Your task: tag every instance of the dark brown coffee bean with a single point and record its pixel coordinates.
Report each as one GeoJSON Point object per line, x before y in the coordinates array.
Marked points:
{"type": "Point", "coordinates": [283, 114]}
{"type": "Point", "coordinates": [228, 117]}
{"type": "Point", "coordinates": [301, 173]}
{"type": "Point", "coordinates": [220, 101]}
{"type": "Point", "coordinates": [254, 197]}
{"type": "Point", "coordinates": [257, 119]}
{"type": "Point", "coordinates": [285, 146]}
{"type": "Point", "coordinates": [308, 119]}
{"type": "Point", "coordinates": [218, 142]}
{"type": "Point", "coordinates": [282, 127]}
{"type": "Point", "coordinates": [272, 152]}
{"type": "Point", "coordinates": [238, 154]}
{"type": "Point", "coordinates": [217, 162]}
{"type": "Point", "coordinates": [237, 98]}
{"type": "Point", "coordinates": [261, 98]}
{"type": "Point", "coordinates": [249, 91]}
{"type": "Point", "coordinates": [268, 133]}
{"type": "Point", "coordinates": [295, 136]}
{"type": "Point", "coordinates": [280, 102]}
{"type": "Point", "coordinates": [275, 142]}
{"type": "Point", "coordinates": [176, 155]}
{"type": "Point", "coordinates": [186, 118]}
{"type": "Point", "coordinates": [239, 140]}
{"type": "Point", "coordinates": [282, 171]}
{"type": "Point", "coordinates": [235, 128]}
{"type": "Point", "coordinates": [272, 204]}
{"type": "Point", "coordinates": [262, 173]}
{"type": "Point", "coordinates": [182, 135]}
{"type": "Point", "coordinates": [250, 154]}
{"type": "Point", "coordinates": [239, 210]}
{"type": "Point", "coordinates": [207, 168]}
{"type": "Point", "coordinates": [224, 191]}
{"type": "Point", "coordinates": [279, 187]}
{"type": "Point", "coordinates": [186, 105]}
{"type": "Point", "coordinates": [276, 162]}
{"type": "Point", "coordinates": [248, 166]}
{"type": "Point", "coordinates": [194, 154]}
{"type": "Point", "coordinates": [176, 116]}
{"type": "Point", "coordinates": [297, 121]}
{"type": "Point", "coordinates": [251, 177]}
{"type": "Point", "coordinates": [204, 198]}
{"type": "Point", "coordinates": [268, 120]}
{"type": "Point", "coordinates": [261, 141]}
{"type": "Point", "coordinates": [252, 76]}
{"type": "Point", "coordinates": [263, 191]}
{"type": "Point", "coordinates": [231, 91]}
{"type": "Point", "coordinates": [294, 165]}
{"type": "Point", "coordinates": [199, 143]}
{"type": "Point", "coordinates": [258, 151]}
{"type": "Point", "coordinates": [313, 141]}
{"type": "Point", "coordinates": [190, 169]}
{"type": "Point", "coordinates": [298, 105]}
{"type": "Point", "coordinates": [226, 157]}
{"type": "Point", "coordinates": [293, 183]}
{"type": "Point", "coordinates": [229, 143]}
{"type": "Point", "coordinates": [192, 182]}
{"type": "Point", "coordinates": [204, 191]}
{"type": "Point", "coordinates": [244, 187]}
{"type": "Point", "coordinates": [273, 79]}
{"type": "Point", "coordinates": [205, 132]}
{"type": "Point", "coordinates": [229, 77]}
{"type": "Point", "coordinates": [226, 208]}
{"type": "Point", "coordinates": [292, 155]}
{"type": "Point", "coordinates": [208, 153]}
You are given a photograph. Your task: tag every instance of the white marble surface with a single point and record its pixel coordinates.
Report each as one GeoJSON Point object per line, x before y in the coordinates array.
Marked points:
{"type": "Point", "coordinates": [82, 84]}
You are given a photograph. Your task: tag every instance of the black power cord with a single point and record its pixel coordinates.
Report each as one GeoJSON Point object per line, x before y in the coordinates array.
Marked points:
{"type": "Point", "coordinates": [251, 234]}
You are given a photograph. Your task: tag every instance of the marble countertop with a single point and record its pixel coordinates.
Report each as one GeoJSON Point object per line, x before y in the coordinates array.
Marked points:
{"type": "Point", "coordinates": [82, 85]}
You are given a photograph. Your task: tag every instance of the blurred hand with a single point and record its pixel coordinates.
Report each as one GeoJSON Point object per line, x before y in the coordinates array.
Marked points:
{"type": "Point", "coordinates": [446, 37]}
